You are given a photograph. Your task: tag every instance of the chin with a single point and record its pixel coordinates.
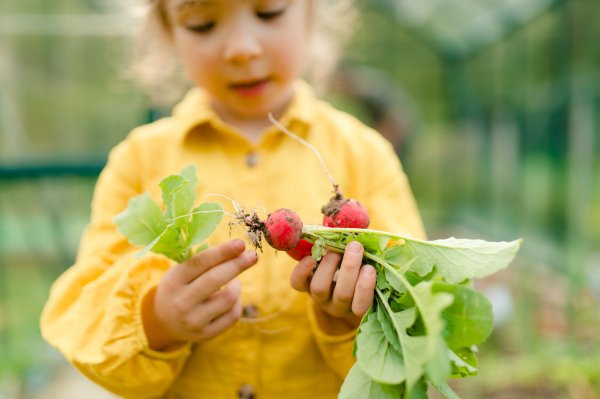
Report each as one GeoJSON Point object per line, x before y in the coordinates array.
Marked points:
{"type": "Point", "coordinates": [257, 108]}
{"type": "Point", "coordinates": [255, 111]}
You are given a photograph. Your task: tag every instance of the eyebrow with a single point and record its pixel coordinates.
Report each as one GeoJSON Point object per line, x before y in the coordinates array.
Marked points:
{"type": "Point", "coordinates": [197, 3]}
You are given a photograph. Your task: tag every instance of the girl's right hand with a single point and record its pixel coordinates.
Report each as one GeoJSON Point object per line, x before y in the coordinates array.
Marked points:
{"type": "Point", "coordinates": [188, 304]}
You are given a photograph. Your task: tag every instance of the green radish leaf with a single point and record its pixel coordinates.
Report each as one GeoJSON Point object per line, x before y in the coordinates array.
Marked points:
{"type": "Point", "coordinates": [395, 256]}
{"type": "Point", "coordinates": [470, 318]}
{"type": "Point", "coordinates": [204, 221]}
{"type": "Point", "coordinates": [169, 185]}
{"type": "Point", "coordinates": [184, 197]}
{"type": "Point", "coordinates": [149, 246]}
{"type": "Point", "coordinates": [358, 385]}
{"type": "Point", "coordinates": [394, 282]}
{"type": "Point", "coordinates": [412, 348]}
{"type": "Point", "coordinates": [445, 390]}
{"type": "Point", "coordinates": [170, 244]}
{"type": "Point", "coordinates": [388, 329]}
{"type": "Point", "coordinates": [438, 368]}
{"type": "Point", "coordinates": [383, 241]}
{"type": "Point", "coordinates": [407, 300]}
{"type": "Point", "coordinates": [370, 241]}
{"type": "Point", "coordinates": [363, 321]}
{"type": "Point", "coordinates": [412, 277]}
{"type": "Point", "coordinates": [396, 306]}
{"type": "Point", "coordinates": [167, 243]}
{"type": "Point", "coordinates": [377, 356]}
{"type": "Point", "coordinates": [142, 221]}
{"type": "Point", "coordinates": [318, 250]}
{"type": "Point", "coordinates": [464, 363]}
{"type": "Point", "coordinates": [457, 259]}
{"type": "Point", "coordinates": [419, 391]}
{"type": "Point", "coordinates": [425, 305]}
{"type": "Point", "coordinates": [382, 281]}
{"type": "Point", "coordinates": [430, 307]}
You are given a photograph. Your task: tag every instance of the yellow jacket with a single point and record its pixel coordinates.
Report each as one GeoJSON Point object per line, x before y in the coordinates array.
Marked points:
{"type": "Point", "coordinates": [94, 316]}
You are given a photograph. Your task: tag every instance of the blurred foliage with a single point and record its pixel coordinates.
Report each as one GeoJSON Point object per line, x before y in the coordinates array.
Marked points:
{"type": "Point", "coordinates": [499, 141]}
{"type": "Point", "coordinates": [501, 126]}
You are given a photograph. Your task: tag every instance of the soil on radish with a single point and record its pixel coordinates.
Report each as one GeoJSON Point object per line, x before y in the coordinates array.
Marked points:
{"type": "Point", "coordinates": [334, 205]}
{"type": "Point", "coordinates": [253, 225]}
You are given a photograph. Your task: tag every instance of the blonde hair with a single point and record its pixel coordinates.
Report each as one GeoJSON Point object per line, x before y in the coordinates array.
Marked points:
{"type": "Point", "coordinates": [157, 69]}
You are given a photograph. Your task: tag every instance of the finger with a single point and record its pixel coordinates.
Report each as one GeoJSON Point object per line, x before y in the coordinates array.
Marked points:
{"type": "Point", "coordinates": [218, 303]}
{"type": "Point", "coordinates": [213, 279]}
{"type": "Point", "coordinates": [301, 275]}
{"type": "Point", "coordinates": [346, 281]}
{"type": "Point", "coordinates": [223, 322]}
{"type": "Point", "coordinates": [205, 260]}
{"type": "Point", "coordinates": [365, 290]}
{"type": "Point", "coordinates": [320, 285]}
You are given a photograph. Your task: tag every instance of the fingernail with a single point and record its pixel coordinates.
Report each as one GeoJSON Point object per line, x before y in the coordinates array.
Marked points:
{"type": "Point", "coordinates": [353, 247]}
{"type": "Point", "coordinates": [239, 244]}
{"type": "Point", "coordinates": [252, 255]}
{"type": "Point", "coordinates": [368, 270]}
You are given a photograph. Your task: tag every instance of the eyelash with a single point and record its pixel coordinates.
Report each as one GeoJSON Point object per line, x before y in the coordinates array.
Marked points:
{"type": "Point", "coordinates": [269, 15]}
{"type": "Point", "coordinates": [202, 28]}
{"type": "Point", "coordinates": [262, 15]}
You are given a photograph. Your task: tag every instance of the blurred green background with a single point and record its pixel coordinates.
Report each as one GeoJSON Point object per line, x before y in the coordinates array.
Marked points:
{"type": "Point", "coordinates": [492, 105]}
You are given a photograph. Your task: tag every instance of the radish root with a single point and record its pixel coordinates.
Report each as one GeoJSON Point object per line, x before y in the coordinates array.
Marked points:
{"type": "Point", "coordinates": [312, 147]}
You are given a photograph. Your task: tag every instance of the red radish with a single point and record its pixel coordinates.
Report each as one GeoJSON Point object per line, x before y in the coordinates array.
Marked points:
{"type": "Point", "coordinates": [302, 250]}
{"type": "Point", "coordinates": [348, 213]}
{"type": "Point", "coordinates": [283, 229]}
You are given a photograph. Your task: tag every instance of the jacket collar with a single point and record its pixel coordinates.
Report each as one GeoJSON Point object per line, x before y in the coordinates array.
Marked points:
{"type": "Point", "coordinates": [195, 110]}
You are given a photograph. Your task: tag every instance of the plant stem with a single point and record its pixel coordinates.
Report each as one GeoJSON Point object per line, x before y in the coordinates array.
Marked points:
{"type": "Point", "coordinates": [392, 270]}
{"type": "Point", "coordinates": [328, 244]}
{"type": "Point", "coordinates": [399, 331]}
{"type": "Point", "coordinates": [341, 247]}
{"type": "Point", "coordinates": [317, 229]}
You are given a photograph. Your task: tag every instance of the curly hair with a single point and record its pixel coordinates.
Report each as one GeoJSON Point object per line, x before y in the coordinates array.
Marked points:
{"type": "Point", "coordinates": [158, 70]}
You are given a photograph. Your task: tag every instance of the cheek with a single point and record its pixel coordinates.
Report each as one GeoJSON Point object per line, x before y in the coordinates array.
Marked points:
{"type": "Point", "coordinates": [197, 57]}
{"type": "Point", "coordinates": [290, 53]}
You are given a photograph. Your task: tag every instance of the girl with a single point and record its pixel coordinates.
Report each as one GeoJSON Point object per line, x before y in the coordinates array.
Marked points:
{"type": "Point", "coordinates": [227, 322]}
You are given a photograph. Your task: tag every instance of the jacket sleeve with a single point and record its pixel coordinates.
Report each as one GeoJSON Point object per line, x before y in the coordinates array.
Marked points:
{"type": "Point", "coordinates": [94, 313]}
{"type": "Point", "coordinates": [392, 208]}
{"type": "Point", "coordinates": [333, 340]}
{"type": "Point", "coordinates": [389, 198]}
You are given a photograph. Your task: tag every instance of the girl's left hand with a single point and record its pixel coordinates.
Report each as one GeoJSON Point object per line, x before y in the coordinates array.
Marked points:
{"type": "Point", "coordinates": [353, 292]}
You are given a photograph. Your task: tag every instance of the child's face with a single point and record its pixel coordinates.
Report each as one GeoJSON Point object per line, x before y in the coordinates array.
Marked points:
{"type": "Point", "coordinates": [246, 53]}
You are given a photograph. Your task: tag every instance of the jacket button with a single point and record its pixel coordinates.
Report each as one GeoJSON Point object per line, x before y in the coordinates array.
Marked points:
{"type": "Point", "coordinates": [250, 311]}
{"type": "Point", "coordinates": [252, 159]}
{"type": "Point", "coordinates": [246, 391]}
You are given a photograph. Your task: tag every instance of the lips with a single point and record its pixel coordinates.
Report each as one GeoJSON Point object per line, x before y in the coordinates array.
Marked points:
{"type": "Point", "coordinates": [250, 88]}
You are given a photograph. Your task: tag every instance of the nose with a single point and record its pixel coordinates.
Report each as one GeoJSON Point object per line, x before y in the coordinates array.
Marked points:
{"type": "Point", "coordinates": [242, 46]}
